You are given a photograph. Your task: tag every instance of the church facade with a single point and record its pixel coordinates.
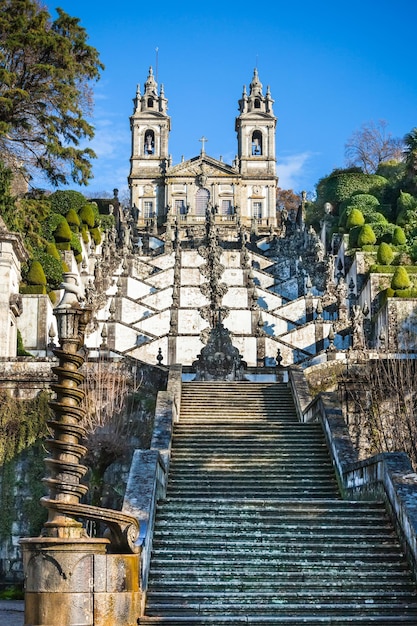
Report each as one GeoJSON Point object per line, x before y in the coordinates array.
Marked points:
{"type": "Point", "coordinates": [243, 193]}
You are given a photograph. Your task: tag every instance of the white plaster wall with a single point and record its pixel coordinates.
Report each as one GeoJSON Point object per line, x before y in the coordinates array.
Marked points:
{"type": "Point", "coordinates": [239, 322]}
{"type": "Point", "coordinates": [247, 348]}
{"type": "Point", "coordinates": [232, 277]}
{"type": "Point", "coordinates": [191, 276]}
{"type": "Point", "coordinates": [165, 261]}
{"type": "Point", "coordinates": [162, 279]}
{"type": "Point", "coordinates": [271, 300]}
{"type": "Point", "coordinates": [230, 258]}
{"type": "Point", "coordinates": [258, 260]}
{"type": "Point", "coordinates": [295, 310]}
{"type": "Point", "coordinates": [192, 297]}
{"type": "Point", "coordinates": [188, 348]}
{"type": "Point", "coordinates": [191, 258]}
{"type": "Point", "coordinates": [156, 325]}
{"type": "Point", "coordinates": [159, 300]}
{"type": "Point", "coordinates": [273, 325]}
{"type": "Point", "coordinates": [236, 298]}
{"type": "Point", "coordinates": [125, 337]}
{"type": "Point", "coordinates": [149, 351]}
{"type": "Point", "coordinates": [263, 280]}
{"type": "Point", "coordinates": [137, 289]}
{"type": "Point", "coordinates": [190, 322]}
{"type": "Point", "coordinates": [28, 321]}
{"type": "Point", "coordinates": [131, 311]}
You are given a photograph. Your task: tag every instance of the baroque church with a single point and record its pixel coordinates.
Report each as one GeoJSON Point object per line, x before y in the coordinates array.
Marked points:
{"type": "Point", "coordinates": [239, 193]}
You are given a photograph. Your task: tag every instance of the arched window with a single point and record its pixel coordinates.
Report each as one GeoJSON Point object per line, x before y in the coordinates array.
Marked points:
{"type": "Point", "coordinates": [150, 103]}
{"type": "Point", "coordinates": [201, 202]}
{"type": "Point", "coordinates": [257, 143]}
{"type": "Point", "coordinates": [257, 103]}
{"type": "Point", "coordinates": [149, 144]}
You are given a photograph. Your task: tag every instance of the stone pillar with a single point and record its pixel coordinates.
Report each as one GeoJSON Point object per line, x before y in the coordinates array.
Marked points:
{"type": "Point", "coordinates": [12, 255]}
{"type": "Point", "coordinates": [70, 579]}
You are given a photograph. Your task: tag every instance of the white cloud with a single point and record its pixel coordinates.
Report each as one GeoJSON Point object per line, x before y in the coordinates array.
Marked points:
{"type": "Point", "coordinates": [291, 170]}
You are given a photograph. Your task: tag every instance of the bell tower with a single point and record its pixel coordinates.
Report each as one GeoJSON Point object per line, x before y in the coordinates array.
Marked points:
{"type": "Point", "coordinates": [255, 127]}
{"type": "Point", "coordinates": [150, 125]}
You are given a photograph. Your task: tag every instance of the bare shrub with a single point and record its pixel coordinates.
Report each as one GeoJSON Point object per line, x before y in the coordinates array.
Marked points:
{"type": "Point", "coordinates": [380, 401]}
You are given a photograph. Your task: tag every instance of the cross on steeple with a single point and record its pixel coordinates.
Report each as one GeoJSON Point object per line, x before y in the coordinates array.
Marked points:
{"type": "Point", "coordinates": [203, 141]}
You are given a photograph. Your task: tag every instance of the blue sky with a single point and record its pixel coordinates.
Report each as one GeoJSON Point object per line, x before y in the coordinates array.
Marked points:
{"type": "Point", "coordinates": [331, 67]}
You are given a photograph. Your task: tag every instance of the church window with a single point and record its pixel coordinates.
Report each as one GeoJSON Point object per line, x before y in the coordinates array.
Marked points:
{"type": "Point", "coordinates": [256, 143]}
{"type": "Point", "coordinates": [180, 208]}
{"type": "Point", "coordinates": [226, 208]}
{"type": "Point", "coordinates": [201, 201]}
{"type": "Point", "coordinates": [148, 208]}
{"type": "Point", "coordinates": [149, 146]}
{"type": "Point", "coordinates": [257, 103]}
{"type": "Point", "coordinates": [257, 210]}
{"type": "Point", "coordinates": [150, 103]}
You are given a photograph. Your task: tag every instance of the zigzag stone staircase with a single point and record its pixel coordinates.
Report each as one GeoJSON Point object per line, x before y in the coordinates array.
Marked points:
{"type": "Point", "coordinates": [253, 530]}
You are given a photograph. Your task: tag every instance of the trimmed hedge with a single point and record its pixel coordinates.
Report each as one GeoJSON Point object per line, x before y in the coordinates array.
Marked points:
{"type": "Point", "coordinates": [87, 215]}
{"type": "Point", "coordinates": [73, 220]}
{"type": "Point", "coordinates": [400, 279]}
{"type": "Point", "coordinates": [63, 233]}
{"type": "Point", "coordinates": [36, 275]}
{"type": "Point", "coordinates": [366, 236]}
{"type": "Point", "coordinates": [355, 218]}
{"type": "Point", "coordinates": [398, 236]}
{"type": "Point", "coordinates": [385, 254]}
{"type": "Point", "coordinates": [63, 201]}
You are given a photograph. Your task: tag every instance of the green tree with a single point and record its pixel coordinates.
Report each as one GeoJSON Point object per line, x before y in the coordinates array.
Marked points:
{"type": "Point", "coordinates": [46, 72]}
{"type": "Point", "coordinates": [410, 154]}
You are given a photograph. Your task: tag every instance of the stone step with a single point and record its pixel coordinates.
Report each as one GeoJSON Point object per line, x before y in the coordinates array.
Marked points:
{"type": "Point", "coordinates": [258, 507]}
{"type": "Point", "coordinates": [253, 530]}
{"type": "Point", "coordinates": [294, 597]}
{"type": "Point", "coordinates": [402, 582]}
{"type": "Point", "coordinates": [289, 493]}
{"type": "Point", "coordinates": [267, 523]}
{"type": "Point", "coordinates": [320, 606]}
{"type": "Point", "coordinates": [266, 620]}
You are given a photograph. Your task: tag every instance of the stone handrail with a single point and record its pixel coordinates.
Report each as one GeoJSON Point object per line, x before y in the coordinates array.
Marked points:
{"type": "Point", "coordinates": [122, 529]}
{"type": "Point", "coordinates": [387, 475]}
{"type": "Point", "coordinates": [148, 474]}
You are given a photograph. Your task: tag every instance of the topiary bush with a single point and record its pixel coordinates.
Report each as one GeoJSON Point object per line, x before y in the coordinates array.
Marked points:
{"type": "Point", "coordinates": [36, 275]}
{"type": "Point", "coordinates": [398, 236]}
{"type": "Point", "coordinates": [96, 235]}
{"type": "Point", "coordinates": [20, 349]}
{"type": "Point", "coordinates": [52, 250]}
{"type": "Point", "coordinates": [340, 185]}
{"type": "Point", "coordinates": [63, 201]}
{"type": "Point", "coordinates": [73, 221]}
{"type": "Point", "coordinates": [76, 247]}
{"type": "Point", "coordinates": [63, 235]}
{"type": "Point", "coordinates": [384, 254]}
{"type": "Point", "coordinates": [400, 279]}
{"type": "Point", "coordinates": [355, 218]}
{"type": "Point", "coordinates": [87, 215]}
{"type": "Point", "coordinates": [52, 268]}
{"type": "Point", "coordinates": [366, 236]}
